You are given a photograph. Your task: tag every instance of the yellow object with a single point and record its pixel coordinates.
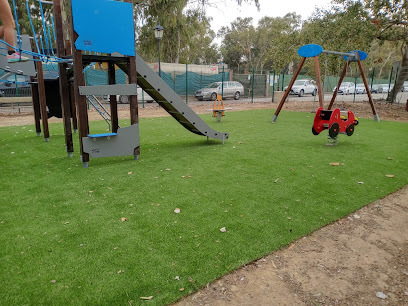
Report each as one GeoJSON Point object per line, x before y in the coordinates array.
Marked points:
{"type": "Point", "coordinates": [218, 108]}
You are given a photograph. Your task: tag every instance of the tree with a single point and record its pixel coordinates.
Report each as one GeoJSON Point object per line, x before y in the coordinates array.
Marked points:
{"type": "Point", "coordinates": [273, 43]}
{"type": "Point", "coordinates": [390, 18]}
{"type": "Point", "coordinates": [23, 18]}
{"type": "Point", "coordinates": [239, 42]}
{"type": "Point", "coordinates": [278, 40]}
{"type": "Point", "coordinates": [186, 30]}
{"type": "Point", "coordinates": [337, 29]}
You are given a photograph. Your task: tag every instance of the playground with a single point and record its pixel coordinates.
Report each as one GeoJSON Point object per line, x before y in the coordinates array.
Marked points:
{"type": "Point", "coordinates": [160, 180]}
{"type": "Point", "coordinates": [179, 197]}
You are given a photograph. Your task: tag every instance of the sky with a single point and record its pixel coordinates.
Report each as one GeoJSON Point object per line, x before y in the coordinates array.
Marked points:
{"type": "Point", "coordinates": [228, 10]}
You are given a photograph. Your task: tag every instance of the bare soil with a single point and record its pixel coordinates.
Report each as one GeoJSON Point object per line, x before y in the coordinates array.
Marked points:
{"type": "Point", "coordinates": [359, 260]}
{"type": "Point", "coordinates": [348, 262]}
{"type": "Point", "coordinates": [386, 111]}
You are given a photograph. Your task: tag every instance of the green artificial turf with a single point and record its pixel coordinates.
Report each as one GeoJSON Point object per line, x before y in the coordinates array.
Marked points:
{"type": "Point", "coordinates": [63, 241]}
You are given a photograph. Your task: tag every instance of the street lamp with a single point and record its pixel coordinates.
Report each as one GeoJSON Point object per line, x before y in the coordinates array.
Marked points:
{"type": "Point", "coordinates": [158, 33]}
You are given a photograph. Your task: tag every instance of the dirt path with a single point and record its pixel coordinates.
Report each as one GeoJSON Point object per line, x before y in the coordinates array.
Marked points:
{"type": "Point", "coordinates": [348, 262]}
{"type": "Point", "coordinates": [359, 260]}
{"type": "Point", "coordinates": [361, 110]}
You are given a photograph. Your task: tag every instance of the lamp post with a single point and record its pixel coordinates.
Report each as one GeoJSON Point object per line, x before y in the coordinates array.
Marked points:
{"type": "Point", "coordinates": [158, 33]}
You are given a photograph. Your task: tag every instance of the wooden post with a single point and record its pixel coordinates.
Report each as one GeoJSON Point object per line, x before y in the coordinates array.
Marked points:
{"type": "Point", "coordinates": [80, 100]}
{"type": "Point", "coordinates": [134, 111]}
{"type": "Point", "coordinates": [370, 100]}
{"type": "Point", "coordinates": [41, 96]}
{"type": "Point", "coordinates": [63, 78]}
{"type": "Point", "coordinates": [73, 107]}
{"type": "Point", "coordinates": [318, 80]}
{"type": "Point", "coordinates": [112, 99]}
{"type": "Point", "coordinates": [343, 74]}
{"type": "Point", "coordinates": [36, 106]}
{"type": "Point", "coordinates": [68, 51]}
{"type": "Point", "coordinates": [285, 95]}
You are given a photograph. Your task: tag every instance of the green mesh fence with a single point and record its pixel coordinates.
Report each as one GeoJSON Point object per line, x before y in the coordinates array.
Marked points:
{"type": "Point", "coordinates": [100, 77]}
{"type": "Point", "coordinates": [188, 82]}
{"type": "Point", "coordinates": [255, 83]}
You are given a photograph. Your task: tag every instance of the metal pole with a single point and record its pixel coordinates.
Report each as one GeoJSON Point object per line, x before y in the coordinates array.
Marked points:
{"type": "Point", "coordinates": [222, 83]}
{"type": "Point", "coordinates": [372, 79]}
{"type": "Point", "coordinates": [159, 60]}
{"type": "Point", "coordinates": [253, 83]}
{"type": "Point", "coordinates": [174, 80]}
{"type": "Point", "coordinates": [355, 86]}
{"type": "Point", "coordinates": [350, 56]}
{"type": "Point", "coordinates": [186, 83]}
{"type": "Point", "coordinates": [283, 81]}
{"type": "Point", "coordinates": [15, 81]}
{"type": "Point", "coordinates": [273, 86]}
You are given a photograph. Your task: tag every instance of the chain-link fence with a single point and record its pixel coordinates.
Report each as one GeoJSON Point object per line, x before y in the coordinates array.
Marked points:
{"type": "Point", "coordinates": [258, 86]}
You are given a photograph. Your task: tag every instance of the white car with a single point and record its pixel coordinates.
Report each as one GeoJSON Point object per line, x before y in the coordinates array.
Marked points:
{"type": "Point", "coordinates": [141, 96]}
{"type": "Point", "coordinates": [360, 89]}
{"type": "Point", "coordinates": [376, 88]}
{"type": "Point", "coordinates": [405, 86]}
{"type": "Point", "coordinates": [301, 87]}
{"type": "Point", "coordinates": [387, 87]}
{"type": "Point", "coordinates": [346, 88]}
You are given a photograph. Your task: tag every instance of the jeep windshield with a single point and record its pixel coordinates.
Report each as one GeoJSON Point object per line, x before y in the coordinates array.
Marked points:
{"type": "Point", "coordinates": [299, 83]}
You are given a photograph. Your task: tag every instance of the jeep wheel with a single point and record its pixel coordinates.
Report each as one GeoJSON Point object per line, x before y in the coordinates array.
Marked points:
{"type": "Point", "coordinates": [314, 93]}
{"type": "Point", "coordinates": [350, 129]}
{"type": "Point", "coordinates": [301, 92]}
{"type": "Point", "coordinates": [237, 95]}
{"type": "Point", "coordinates": [314, 131]}
{"type": "Point", "coordinates": [334, 130]}
{"type": "Point", "coordinates": [213, 96]}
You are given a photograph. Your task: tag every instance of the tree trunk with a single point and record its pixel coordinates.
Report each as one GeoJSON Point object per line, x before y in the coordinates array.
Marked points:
{"type": "Point", "coordinates": [177, 59]}
{"type": "Point", "coordinates": [402, 76]}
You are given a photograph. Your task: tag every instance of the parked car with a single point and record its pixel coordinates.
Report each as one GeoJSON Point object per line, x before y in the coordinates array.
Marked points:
{"type": "Point", "coordinates": [346, 88]}
{"type": "Point", "coordinates": [360, 89]}
{"type": "Point", "coordinates": [230, 89]}
{"type": "Point", "coordinates": [376, 88]}
{"type": "Point", "coordinates": [141, 96]}
{"type": "Point", "coordinates": [387, 87]}
{"type": "Point", "coordinates": [405, 86]}
{"type": "Point", "coordinates": [12, 85]}
{"type": "Point", "coordinates": [301, 87]}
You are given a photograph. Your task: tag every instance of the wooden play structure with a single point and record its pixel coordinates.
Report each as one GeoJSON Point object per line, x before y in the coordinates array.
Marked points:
{"type": "Point", "coordinates": [94, 40]}
{"type": "Point", "coordinates": [313, 50]}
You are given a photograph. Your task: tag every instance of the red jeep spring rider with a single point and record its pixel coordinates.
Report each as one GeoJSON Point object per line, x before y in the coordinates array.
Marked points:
{"type": "Point", "coordinates": [332, 120]}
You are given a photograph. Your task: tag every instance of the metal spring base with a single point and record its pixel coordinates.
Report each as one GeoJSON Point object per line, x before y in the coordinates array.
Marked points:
{"type": "Point", "coordinates": [332, 141]}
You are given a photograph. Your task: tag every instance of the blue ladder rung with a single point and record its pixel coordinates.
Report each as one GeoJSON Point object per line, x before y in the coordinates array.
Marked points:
{"type": "Point", "coordinates": [102, 135]}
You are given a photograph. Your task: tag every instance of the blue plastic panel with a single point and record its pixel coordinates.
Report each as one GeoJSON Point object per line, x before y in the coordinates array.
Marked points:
{"type": "Point", "coordinates": [104, 26]}
{"type": "Point", "coordinates": [363, 55]}
{"type": "Point", "coordinates": [102, 135]}
{"type": "Point", "coordinates": [310, 50]}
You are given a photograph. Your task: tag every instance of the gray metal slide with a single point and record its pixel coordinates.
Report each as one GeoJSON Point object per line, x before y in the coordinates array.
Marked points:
{"type": "Point", "coordinates": [171, 102]}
